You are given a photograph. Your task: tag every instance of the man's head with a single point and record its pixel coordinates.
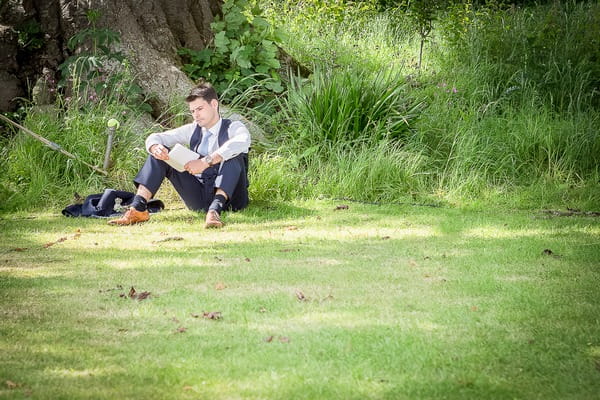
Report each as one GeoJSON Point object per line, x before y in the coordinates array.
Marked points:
{"type": "Point", "coordinates": [204, 105]}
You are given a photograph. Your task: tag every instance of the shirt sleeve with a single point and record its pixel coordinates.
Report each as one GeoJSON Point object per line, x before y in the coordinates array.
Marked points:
{"type": "Point", "coordinates": [239, 141]}
{"type": "Point", "coordinates": [170, 138]}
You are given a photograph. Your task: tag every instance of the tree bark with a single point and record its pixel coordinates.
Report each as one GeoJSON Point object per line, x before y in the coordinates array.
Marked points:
{"type": "Point", "coordinates": [34, 36]}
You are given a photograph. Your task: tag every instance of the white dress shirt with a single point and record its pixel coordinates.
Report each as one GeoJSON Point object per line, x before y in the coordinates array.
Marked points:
{"type": "Point", "coordinates": [239, 139]}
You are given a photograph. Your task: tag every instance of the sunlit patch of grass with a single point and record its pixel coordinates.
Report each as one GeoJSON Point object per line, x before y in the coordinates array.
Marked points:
{"type": "Point", "coordinates": [316, 302]}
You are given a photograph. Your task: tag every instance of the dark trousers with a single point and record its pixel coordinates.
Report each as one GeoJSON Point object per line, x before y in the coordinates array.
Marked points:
{"type": "Point", "coordinates": [198, 192]}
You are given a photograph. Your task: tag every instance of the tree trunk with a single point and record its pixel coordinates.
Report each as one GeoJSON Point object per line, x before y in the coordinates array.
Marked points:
{"type": "Point", "coordinates": [34, 35]}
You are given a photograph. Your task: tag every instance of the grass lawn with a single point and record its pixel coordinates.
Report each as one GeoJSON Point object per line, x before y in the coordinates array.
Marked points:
{"type": "Point", "coordinates": [302, 301]}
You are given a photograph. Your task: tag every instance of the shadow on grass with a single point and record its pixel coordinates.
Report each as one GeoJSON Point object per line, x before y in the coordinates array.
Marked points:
{"type": "Point", "coordinates": [399, 303]}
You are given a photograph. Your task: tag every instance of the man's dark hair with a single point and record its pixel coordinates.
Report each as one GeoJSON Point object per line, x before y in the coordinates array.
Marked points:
{"type": "Point", "coordinates": [204, 91]}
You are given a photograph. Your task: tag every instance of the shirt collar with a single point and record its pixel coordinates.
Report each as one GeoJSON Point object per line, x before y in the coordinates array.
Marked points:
{"type": "Point", "coordinates": [215, 128]}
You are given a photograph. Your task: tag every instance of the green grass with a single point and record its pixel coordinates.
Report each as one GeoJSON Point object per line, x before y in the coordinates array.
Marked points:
{"type": "Point", "coordinates": [403, 302]}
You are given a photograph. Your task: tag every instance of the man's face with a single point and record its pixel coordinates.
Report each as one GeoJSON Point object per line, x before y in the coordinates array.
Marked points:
{"type": "Point", "coordinates": [206, 114]}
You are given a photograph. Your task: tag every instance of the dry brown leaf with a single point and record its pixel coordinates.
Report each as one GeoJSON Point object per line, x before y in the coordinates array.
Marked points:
{"type": "Point", "coordinates": [11, 385]}
{"type": "Point", "coordinates": [220, 286]}
{"type": "Point", "coordinates": [212, 315]}
{"type": "Point", "coordinates": [137, 296]}
{"type": "Point", "coordinates": [49, 244]}
{"type": "Point", "coordinates": [300, 296]}
{"type": "Point", "coordinates": [548, 252]}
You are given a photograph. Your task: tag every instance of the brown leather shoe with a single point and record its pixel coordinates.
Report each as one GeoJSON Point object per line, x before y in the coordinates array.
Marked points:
{"type": "Point", "coordinates": [213, 220]}
{"type": "Point", "coordinates": [132, 216]}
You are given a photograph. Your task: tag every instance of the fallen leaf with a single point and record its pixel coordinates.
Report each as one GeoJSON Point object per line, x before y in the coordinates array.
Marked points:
{"type": "Point", "coordinates": [548, 252]}
{"type": "Point", "coordinates": [212, 315]}
{"type": "Point", "coordinates": [143, 295]}
{"type": "Point", "coordinates": [137, 296]}
{"type": "Point", "coordinates": [341, 207]}
{"type": "Point", "coordinates": [62, 239]}
{"type": "Point", "coordinates": [220, 286]}
{"type": "Point", "coordinates": [300, 296]}
{"type": "Point", "coordinates": [11, 385]}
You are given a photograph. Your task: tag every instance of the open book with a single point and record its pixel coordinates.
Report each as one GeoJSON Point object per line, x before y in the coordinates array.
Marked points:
{"type": "Point", "coordinates": [179, 156]}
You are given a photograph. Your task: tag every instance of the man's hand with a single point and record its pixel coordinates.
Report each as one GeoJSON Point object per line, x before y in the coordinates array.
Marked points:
{"type": "Point", "coordinates": [159, 152]}
{"type": "Point", "coordinates": [196, 166]}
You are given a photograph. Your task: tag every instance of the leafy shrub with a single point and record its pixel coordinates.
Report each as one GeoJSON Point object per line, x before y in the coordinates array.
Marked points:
{"type": "Point", "coordinates": [244, 46]}
{"type": "Point", "coordinates": [96, 70]}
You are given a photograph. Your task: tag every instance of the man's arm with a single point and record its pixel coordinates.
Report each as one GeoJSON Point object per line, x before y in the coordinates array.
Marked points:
{"type": "Point", "coordinates": [170, 138]}
{"type": "Point", "coordinates": [239, 142]}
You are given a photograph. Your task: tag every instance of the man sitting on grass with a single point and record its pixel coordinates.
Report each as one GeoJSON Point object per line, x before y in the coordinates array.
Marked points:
{"type": "Point", "coordinates": [216, 181]}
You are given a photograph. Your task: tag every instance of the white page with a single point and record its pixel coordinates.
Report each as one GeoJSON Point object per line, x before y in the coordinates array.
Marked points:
{"type": "Point", "coordinates": [179, 156]}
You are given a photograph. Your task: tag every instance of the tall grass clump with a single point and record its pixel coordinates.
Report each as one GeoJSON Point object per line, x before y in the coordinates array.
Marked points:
{"type": "Point", "coordinates": [553, 49]}
{"type": "Point", "coordinates": [35, 175]}
{"type": "Point", "coordinates": [347, 107]}
{"type": "Point", "coordinates": [513, 105]}
{"type": "Point", "coordinates": [346, 134]}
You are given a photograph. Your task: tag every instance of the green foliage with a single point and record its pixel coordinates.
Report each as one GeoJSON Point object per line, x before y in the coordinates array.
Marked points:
{"type": "Point", "coordinates": [30, 35]}
{"type": "Point", "coordinates": [94, 47]}
{"type": "Point", "coordinates": [244, 45]}
{"type": "Point", "coordinates": [348, 107]}
{"type": "Point", "coordinates": [96, 71]}
{"type": "Point", "coordinates": [553, 49]}
{"type": "Point", "coordinates": [37, 176]}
